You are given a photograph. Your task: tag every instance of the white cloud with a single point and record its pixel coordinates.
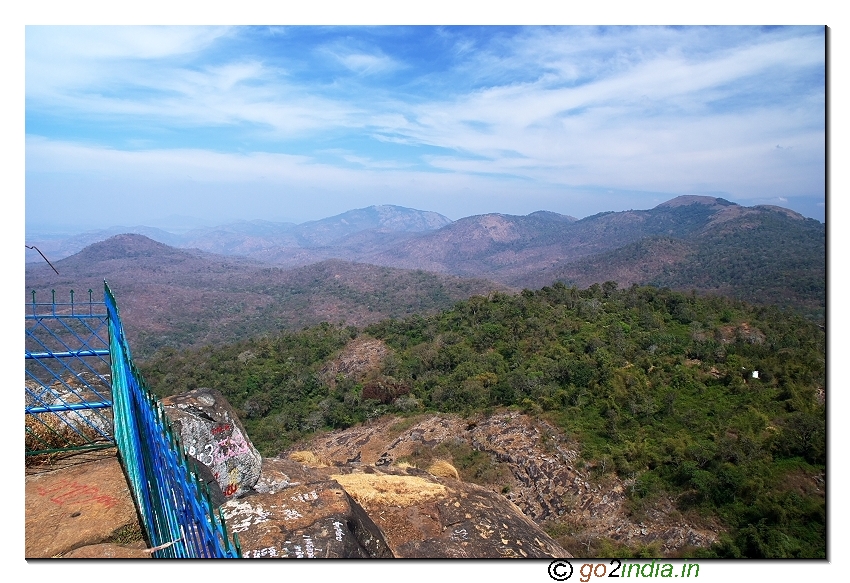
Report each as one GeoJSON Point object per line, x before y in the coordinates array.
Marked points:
{"type": "Point", "coordinates": [249, 91]}
{"type": "Point", "coordinates": [59, 58]}
{"type": "Point", "coordinates": [367, 64]}
{"type": "Point", "coordinates": [117, 42]}
{"type": "Point", "coordinates": [647, 109]}
{"type": "Point", "coordinates": [666, 82]}
{"type": "Point", "coordinates": [49, 157]}
{"type": "Point", "coordinates": [172, 94]}
{"type": "Point", "coordinates": [649, 126]}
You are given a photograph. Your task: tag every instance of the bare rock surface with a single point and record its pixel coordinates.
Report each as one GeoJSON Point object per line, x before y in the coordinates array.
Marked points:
{"type": "Point", "coordinates": [425, 516]}
{"type": "Point", "coordinates": [301, 514]}
{"type": "Point", "coordinates": [310, 521]}
{"type": "Point", "coordinates": [356, 360]}
{"type": "Point", "coordinates": [541, 475]}
{"type": "Point", "coordinates": [109, 551]}
{"type": "Point", "coordinates": [213, 435]}
{"type": "Point", "coordinates": [76, 506]}
{"type": "Point", "coordinates": [407, 511]}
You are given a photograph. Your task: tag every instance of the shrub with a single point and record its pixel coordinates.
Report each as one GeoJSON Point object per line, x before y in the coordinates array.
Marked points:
{"type": "Point", "coordinates": [308, 458]}
{"type": "Point", "coordinates": [443, 469]}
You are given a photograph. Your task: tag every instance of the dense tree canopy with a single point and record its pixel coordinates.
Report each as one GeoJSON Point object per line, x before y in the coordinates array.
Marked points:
{"type": "Point", "coordinates": [713, 401]}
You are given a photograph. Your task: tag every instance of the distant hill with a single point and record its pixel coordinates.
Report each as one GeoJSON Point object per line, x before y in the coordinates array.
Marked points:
{"type": "Point", "coordinates": [495, 244]}
{"type": "Point", "coordinates": [517, 249]}
{"type": "Point", "coordinates": [283, 243]}
{"type": "Point", "coordinates": [181, 298]}
{"type": "Point", "coordinates": [55, 249]}
{"type": "Point", "coordinates": [383, 218]}
{"type": "Point", "coordinates": [763, 254]}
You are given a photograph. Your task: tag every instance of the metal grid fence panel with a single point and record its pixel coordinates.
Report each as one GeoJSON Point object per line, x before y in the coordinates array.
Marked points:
{"type": "Point", "coordinates": [67, 387]}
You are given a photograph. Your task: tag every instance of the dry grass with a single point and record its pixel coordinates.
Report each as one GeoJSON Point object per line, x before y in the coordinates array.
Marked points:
{"type": "Point", "coordinates": [48, 431]}
{"type": "Point", "coordinates": [404, 465]}
{"type": "Point", "coordinates": [403, 424]}
{"type": "Point", "coordinates": [308, 458]}
{"type": "Point", "coordinates": [388, 490]}
{"type": "Point", "coordinates": [127, 534]}
{"type": "Point", "coordinates": [443, 469]}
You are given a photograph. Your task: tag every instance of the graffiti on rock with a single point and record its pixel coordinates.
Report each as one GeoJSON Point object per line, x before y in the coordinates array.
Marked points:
{"type": "Point", "coordinates": [459, 534]}
{"type": "Point", "coordinates": [270, 552]}
{"type": "Point", "coordinates": [243, 515]}
{"type": "Point", "coordinates": [290, 514]}
{"type": "Point", "coordinates": [337, 530]}
{"type": "Point", "coordinates": [306, 497]}
{"type": "Point", "coordinates": [219, 452]}
{"type": "Point", "coordinates": [69, 491]}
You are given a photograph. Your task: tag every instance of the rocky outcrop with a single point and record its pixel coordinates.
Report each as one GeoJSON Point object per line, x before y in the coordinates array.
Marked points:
{"type": "Point", "coordinates": [300, 514]}
{"type": "Point", "coordinates": [356, 360]}
{"type": "Point", "coordinates": [348, 509]}
{"type": "Point", "coordinates": [215, 438]}
{"type": "Point", "coordinates": [424, 516]}
{"type": "Point", "coordinates": [354, 510]}
{"type": "Point", "coordinates": [537, 470]}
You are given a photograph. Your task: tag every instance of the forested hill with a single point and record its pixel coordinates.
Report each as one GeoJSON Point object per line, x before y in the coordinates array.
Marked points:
{"type": "Point", "coordinates": [183, 298]}
{"type": "Point", "coordinates": [764, 255]}
{"type": "Point", "coordinates": [713, 403]}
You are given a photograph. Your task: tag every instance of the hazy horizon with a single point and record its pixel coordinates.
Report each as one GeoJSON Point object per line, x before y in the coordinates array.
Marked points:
{"type": "Point", "coordinates": [178, 225]}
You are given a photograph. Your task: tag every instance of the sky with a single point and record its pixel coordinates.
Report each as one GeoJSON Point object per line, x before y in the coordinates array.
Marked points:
{"type": "Point", "coordinates": [178, 126]}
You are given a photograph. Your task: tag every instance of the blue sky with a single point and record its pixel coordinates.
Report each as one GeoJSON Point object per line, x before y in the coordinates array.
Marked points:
{"type": "Point", "coordinates": [136, 124]}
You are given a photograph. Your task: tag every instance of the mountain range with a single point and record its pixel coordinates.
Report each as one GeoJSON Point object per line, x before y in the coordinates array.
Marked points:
{"type": "Point", "coordinates": [186, 297]}
{"type": "Point", "coordinates": [390, 261]}
{"type": "Point", "coordinates": [271, 241]}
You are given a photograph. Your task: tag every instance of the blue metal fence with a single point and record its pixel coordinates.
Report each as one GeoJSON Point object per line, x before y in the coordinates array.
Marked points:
{"type": "Point", "coordinates": [68, 395]}
{"type": "Point", "coordinates": [173, 502]}
{"type": "Point", "coordinates": [83, 391]}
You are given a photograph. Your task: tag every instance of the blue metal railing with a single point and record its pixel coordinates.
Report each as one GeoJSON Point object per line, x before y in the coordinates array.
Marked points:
{"type": "Point", "coordinates": [173, 502]}
{"type": "Point", "coordinates": [67, 389]}
{"type": "Point", "coordinates": [83, 391]}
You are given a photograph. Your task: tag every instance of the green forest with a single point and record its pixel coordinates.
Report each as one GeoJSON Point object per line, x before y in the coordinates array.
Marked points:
{"type": "Point", "coordinates": [712, 401]}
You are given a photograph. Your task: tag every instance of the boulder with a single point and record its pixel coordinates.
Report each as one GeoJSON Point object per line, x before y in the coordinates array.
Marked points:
{"type": "Point", "coordinates": [215, 438]}
{"type": "Point", "coordinates": [425, 516]}
{"type": "Point", "coordinates": [296, 513]}
{"type": "Point", "coordinates": [420, 515]}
